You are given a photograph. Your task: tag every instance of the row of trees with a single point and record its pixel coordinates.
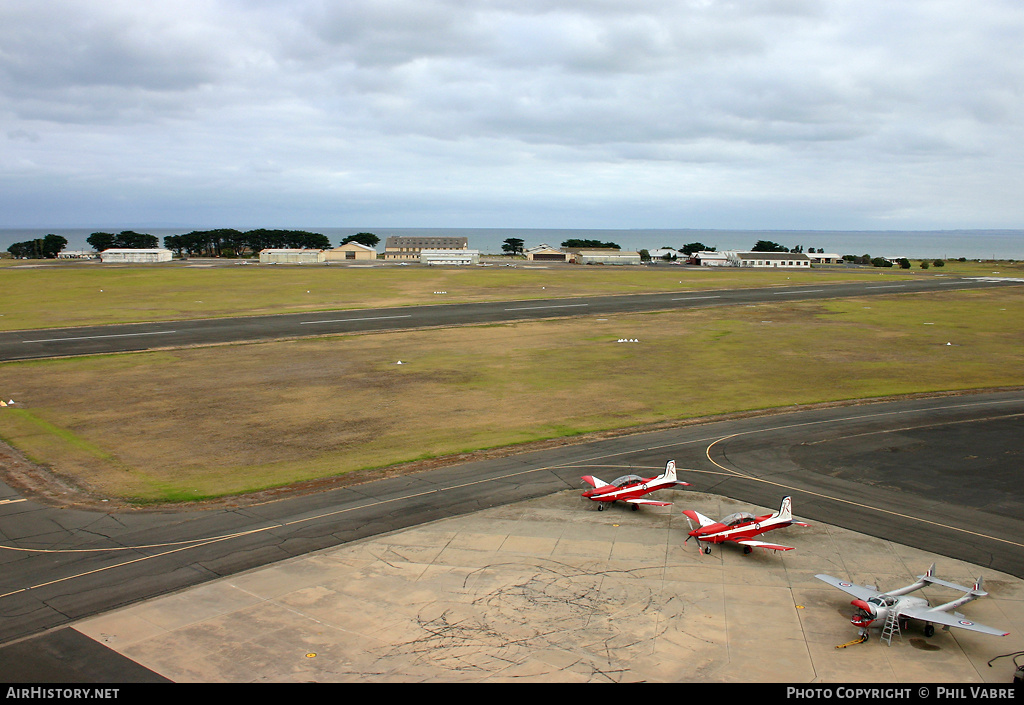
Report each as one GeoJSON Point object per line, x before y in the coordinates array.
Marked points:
{"type": "Point", "coordinates": [198, 243]}
{"type": "Point", "coordinates": [769, 246]}
{"type": "Point", "coordinates": [125, 238]}
{"type": "Point", "coordinates": [225, 242]}
{"type": "Point", "coordinates": [41, 248]}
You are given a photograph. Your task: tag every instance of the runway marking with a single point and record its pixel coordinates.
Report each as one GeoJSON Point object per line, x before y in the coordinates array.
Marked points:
{"type": "Point", "coordinates": [798, 291]}
{"type": "Point", "coordinates": [885, 286]}
{"type": "Point", "coordinates": [533, 308]}
{"type": "Point", "coordinates": [695, 298]}
{"type": "Point", "coordinates": [879, 510]}
{"type": "Point", "coordinates": [96, 337]}
{"type": "Point", "coordinates": [11, 501]}
{"type": "Point", "coordinates": [196, 543]}
{"type": "Point", "coordinates": [349, 320]}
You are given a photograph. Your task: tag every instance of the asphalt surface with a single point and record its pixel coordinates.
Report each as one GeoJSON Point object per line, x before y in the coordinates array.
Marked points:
{"type": "Point", "coordinates": [61, 565]}
{"type": "Point", "coordinates": [89, 340]}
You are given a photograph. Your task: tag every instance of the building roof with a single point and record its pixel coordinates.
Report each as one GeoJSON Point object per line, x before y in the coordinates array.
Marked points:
{"type": "Point", "coordinates": [772, 255]}
{"type": "Point", "coordinates": [353, 243]}
{"type": "Point", "coordinates": [426, 241]}
{"type": "Point", "coordinates": [134, 250]}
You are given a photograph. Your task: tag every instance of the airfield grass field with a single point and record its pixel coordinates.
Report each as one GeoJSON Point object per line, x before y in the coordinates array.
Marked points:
{"type": "Point", "coordinates": [193, 424]}
{"type": "Point", "coordinates": [41, 294]}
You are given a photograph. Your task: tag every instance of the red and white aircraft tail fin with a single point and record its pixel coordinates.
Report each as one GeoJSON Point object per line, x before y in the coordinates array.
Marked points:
{"type": "Point", "coordinates": [595, 482]}
{"type": "Point", "coordinates": [785, 512]}
{"type": "Point", "coordinates": [670, 474]}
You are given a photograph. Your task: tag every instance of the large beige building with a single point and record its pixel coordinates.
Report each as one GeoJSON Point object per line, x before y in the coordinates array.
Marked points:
{"type": "Point", "coordinates": [351, 252]}
{"type": "Point", "coordinates": [400, 248]}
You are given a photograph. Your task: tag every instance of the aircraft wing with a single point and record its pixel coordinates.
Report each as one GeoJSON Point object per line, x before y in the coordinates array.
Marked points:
{"type": "Point", "coordinates": [698, 517]}
{"type": "Point", "coordinates": [648, 501]}
{"type": "Point", "coordinates": [594, 481]}
{"type": "Point", "coordinates": [763, 544]}
{"type": "Point", "coordinates": [949, 620]}
{"type": "Point", "coordinates": [859, 591]}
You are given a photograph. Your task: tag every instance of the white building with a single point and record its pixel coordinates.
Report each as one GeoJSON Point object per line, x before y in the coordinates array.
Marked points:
{"type": "Point", "coordinates": [665, 253]}
{"type": "Point", "coordinates": [607, 256]}
{"type": "Point", "coordinates": [711, 259]}
{"type": "Point", "coordinates": [291, 256]}
{"type": "Point", "coordinates": [825, 258]}
{"type": "Point", "coordinates": [124, 254]}
{"type": "Point", "coordinates": [788, 260]}
{"type": "Point", "coordinates": [454, 257]}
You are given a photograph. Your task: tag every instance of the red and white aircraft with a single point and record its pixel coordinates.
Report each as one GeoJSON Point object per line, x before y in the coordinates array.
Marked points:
{"type": "Point", "coordinates": [888, 607]}
{"type": "Point", "coordinates": [742, 527]}
{"type": "Point", "coordinates": [631, 488]}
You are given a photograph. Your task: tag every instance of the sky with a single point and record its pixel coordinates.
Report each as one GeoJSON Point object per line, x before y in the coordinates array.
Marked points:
{"type": "Point", "coordinates": [746, 114]}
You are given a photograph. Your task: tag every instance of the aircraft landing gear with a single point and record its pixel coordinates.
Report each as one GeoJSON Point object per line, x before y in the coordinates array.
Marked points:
{"type": "Point", "coordinates": [746, 550]}
{"type": "Point", "coordinates": [636, 507]}
{"type": "Point", "coordinates": [929, 630]}
{"type": "Point", "coordinates": [707, 550]}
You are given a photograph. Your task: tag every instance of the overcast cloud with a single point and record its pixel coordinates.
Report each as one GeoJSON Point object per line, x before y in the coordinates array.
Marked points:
{"type": "Point", "coordinates": [822, 114]}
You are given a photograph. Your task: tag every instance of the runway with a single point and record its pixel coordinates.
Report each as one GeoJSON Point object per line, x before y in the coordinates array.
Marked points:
{"type": "Point", "coordinates": [91, 340]}
{"type": "Point", "coordinates": [934, 474]}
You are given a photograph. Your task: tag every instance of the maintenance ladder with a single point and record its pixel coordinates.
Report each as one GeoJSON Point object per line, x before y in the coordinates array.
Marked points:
{"type": "Point", "coordinates": [892, 625]}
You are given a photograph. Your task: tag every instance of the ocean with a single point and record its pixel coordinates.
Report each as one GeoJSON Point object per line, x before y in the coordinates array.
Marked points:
{"type": "Point", "coordinates": [913, 244]}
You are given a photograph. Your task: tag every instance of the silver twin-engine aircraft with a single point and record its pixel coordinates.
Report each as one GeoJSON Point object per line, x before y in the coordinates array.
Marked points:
{"type": "Point", "coordinates": [891, 608]}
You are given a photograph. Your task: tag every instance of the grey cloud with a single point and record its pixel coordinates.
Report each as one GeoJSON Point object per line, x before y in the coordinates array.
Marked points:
{"type": "Point", "coordinates": [546, 97]}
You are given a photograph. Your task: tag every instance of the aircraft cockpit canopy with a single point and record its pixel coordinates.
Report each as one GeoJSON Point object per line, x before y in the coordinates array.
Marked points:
{"type": "Point", "coordinates": [738, 518]}
{"type": "Point", "coordinates": [626, 480]}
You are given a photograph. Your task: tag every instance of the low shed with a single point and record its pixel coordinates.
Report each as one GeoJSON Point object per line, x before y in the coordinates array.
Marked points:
{"type": "Point", "coordinates": [124, 254]}
{"type": "Point", "coordinates": [291, 256]}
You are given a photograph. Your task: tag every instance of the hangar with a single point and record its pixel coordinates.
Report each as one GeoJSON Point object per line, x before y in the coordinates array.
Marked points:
{"type": "Point", "coordinates": [547, 253]}
{"type": "Point", "coordinates": [607, 256]}
{"type": "Point", "coordinates": [125, 254]}
{"type": "Point", "coordinates": [291, 256]}
{"type": "Point", "coordinates": [350, 252]}
{"type": "Point", "coordinates": [458, 257]}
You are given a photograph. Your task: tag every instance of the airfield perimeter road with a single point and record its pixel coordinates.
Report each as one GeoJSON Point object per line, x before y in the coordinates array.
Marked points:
{"type": "Point", "coordinates": [58, 342]}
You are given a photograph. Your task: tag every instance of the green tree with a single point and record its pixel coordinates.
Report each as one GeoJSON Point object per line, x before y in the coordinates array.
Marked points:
{"type": "Point", "coordinates": [368, 239]}
{"type": "Point", "coordinates": [512, 246]}
{"type": "Point", "coordinates": [23, 250]}
{"type": "Point", "coordinates": [692, 247]}
{"type": "Point", "coordinates": [101, 241]}
{"type": "Point", "coordinates": [578, 243]}
{"type": "Point", "coordinates": [768, 246]}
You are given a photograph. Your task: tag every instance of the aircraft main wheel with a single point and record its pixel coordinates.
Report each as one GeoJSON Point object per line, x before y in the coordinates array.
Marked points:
{"type": "Point", "coordinates": [636, 507]}
{"type": "Point", "coordinates": [707, 550]}
{"type": "Point", "coordinates": [746, 550]}
{"type": "Point", "coordinates": [929, 630]}
{"type": "Point", "coordinates": [600, 507]}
